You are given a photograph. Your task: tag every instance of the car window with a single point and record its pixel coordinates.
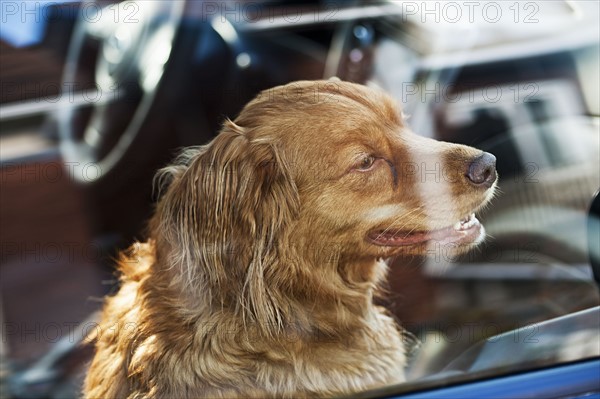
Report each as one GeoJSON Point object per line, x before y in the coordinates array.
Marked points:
{"type": "Point", "coordinates": [516, 79]}
{"type": "Point", "coordinates": [517, 88]}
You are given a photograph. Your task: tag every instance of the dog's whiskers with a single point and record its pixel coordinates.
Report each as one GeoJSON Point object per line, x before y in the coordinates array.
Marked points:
{"type": "Point", "coordinates": [412, 212]}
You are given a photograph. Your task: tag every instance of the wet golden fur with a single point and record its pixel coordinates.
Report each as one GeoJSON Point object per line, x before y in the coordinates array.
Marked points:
{"type": "Point", "coordinates": [257, 279]}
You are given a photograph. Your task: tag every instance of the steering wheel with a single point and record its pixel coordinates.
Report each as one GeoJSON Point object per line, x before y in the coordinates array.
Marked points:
{"type": "Point", "coordinates": [131, 43]}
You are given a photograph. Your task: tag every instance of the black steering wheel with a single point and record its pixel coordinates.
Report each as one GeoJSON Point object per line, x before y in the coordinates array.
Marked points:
{"type": "Point", "coordinates": [131, 43]}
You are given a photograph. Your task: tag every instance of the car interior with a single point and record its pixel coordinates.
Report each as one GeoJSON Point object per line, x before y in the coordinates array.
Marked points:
{"type": "Point", "coordinates": [96, 96]}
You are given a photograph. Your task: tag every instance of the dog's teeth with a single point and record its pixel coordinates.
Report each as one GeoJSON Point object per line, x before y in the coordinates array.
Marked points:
{"type": "Point", "coordinates": [465, 223]}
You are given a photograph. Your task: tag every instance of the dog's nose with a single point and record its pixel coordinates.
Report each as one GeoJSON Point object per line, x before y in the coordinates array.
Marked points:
{"type": "Point", "coordinates": [482, 171]}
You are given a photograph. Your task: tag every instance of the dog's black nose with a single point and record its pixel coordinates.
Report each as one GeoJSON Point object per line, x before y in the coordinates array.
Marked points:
{"type": "Point", "coordinates": [482, 171]}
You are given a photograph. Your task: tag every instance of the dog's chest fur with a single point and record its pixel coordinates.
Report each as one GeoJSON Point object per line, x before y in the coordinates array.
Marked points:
{"type": "Point", "coordinates": [223, 359]}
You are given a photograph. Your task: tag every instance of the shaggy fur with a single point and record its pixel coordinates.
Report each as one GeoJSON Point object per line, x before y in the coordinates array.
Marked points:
{"type": "Point", "coordinates": [258, 278]}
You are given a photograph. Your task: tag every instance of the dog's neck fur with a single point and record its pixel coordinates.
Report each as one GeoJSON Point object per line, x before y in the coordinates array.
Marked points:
{"type": "Point", "coordinates": [308, 304]}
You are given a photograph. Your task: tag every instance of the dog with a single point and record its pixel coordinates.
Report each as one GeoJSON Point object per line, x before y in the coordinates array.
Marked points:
{"type": "Point", "coordinates": [268, 246]}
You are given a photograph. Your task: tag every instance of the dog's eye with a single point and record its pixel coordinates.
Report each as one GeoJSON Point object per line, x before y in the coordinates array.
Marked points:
{"type": "Point", "coordinates": [366, 162]}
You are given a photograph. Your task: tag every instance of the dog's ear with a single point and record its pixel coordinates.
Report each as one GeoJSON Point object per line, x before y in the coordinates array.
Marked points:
{"type": "Point", "coordinates": [224, 219]}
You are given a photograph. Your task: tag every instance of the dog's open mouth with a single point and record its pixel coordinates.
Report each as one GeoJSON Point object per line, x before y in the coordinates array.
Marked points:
{"type": "Point", "coordinates": [465, 231]}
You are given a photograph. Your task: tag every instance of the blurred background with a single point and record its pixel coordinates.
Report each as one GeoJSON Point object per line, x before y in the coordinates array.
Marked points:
{"type": "Point", "coordinates": [95, 96]}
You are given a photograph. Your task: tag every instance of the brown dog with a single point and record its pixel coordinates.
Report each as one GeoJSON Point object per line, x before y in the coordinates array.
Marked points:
{"type": "Point", "coordinates": [266, 250]}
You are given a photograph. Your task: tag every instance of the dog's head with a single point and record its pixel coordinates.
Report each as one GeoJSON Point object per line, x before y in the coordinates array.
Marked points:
{"type": "Point", "coordinates": [322, 174]}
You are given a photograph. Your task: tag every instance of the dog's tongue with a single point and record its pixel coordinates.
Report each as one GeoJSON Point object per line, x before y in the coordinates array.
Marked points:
{"type": "Point", "coordinates": [406, 238]}
{"type": "Point", "coordinates": [463, 229]}
{"type": "Point", "coordinates": [401, 238]}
